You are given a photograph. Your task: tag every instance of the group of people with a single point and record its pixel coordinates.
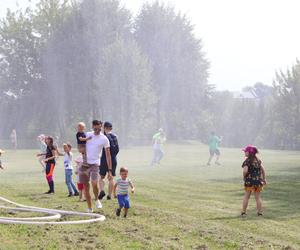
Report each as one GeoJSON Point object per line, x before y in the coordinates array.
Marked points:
{"type": "Point", "coordinates": [97, 161]}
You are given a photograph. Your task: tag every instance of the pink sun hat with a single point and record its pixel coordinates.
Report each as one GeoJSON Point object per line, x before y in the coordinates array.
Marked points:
{"type": "Point", "coordinates": [251, 149]}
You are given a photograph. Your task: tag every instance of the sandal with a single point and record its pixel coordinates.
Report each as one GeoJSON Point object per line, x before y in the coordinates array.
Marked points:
{"type": "Point", "coordinates": [259, 214]}
{"type": "Point", "coordinates": [243, 214]}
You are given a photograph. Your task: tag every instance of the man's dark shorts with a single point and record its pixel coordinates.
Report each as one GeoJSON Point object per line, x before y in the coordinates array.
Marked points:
{"type": "Point", "coordinates": [103, 170]}
{"type": "Point", "coordinates": [214, 152]}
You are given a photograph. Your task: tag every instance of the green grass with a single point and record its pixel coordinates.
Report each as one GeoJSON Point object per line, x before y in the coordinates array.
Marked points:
{"type": "Point", "coordinates": [181, 204]}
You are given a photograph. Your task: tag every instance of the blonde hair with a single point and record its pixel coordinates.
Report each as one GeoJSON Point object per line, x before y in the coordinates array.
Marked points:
{"type": "Point", "coordinates": [81, 124]}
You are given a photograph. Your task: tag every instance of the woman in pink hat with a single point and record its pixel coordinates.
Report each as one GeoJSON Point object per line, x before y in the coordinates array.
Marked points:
{"type": "Point", "coordinates": [254, 178]}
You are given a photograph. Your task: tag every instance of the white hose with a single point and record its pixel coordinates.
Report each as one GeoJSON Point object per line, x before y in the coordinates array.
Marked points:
{"type": "Point", "coordinates": [54, 215]}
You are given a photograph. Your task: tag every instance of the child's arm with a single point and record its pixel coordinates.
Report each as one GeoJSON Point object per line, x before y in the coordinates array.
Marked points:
{"type": "Point", "coordinates": [114, 190]}
{"type": "Point", "coordinates": [38, 155]}
{"type": "Point", "coordinates": [245, 171]}
{"type": "Point", "coordinates": [84, 138]}
{"type": "Point", "coordinates": [263, 175]}
{"type": "Point", "coordinates": [59, 153]}
{"type": "Point", "coordinates": [132, 187]}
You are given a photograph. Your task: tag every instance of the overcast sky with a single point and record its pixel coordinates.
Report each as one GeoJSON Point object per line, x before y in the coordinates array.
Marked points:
{"type": "Point", "coordinates": [246, 41]}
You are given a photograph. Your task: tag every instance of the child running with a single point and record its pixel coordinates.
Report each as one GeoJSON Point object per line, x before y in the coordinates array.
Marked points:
{"type": "Point", "coordinates": [50, 156]}
{"type": "Point", "coordinates": [254, 178]}
{"type": "Point", "coordinates": [122, 184]}
{"type": "Point", "coordinates": [68, 156]}
{"type": "Point", "coordinates": [80, 186]}
{"type": "Point", "coordinates": [81, 141]}
{"type": "Point", "coordinates": [1, 152]}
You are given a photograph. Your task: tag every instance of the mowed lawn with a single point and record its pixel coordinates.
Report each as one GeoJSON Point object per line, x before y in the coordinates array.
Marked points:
{"type": "Point", "coordinates": [181, 204]}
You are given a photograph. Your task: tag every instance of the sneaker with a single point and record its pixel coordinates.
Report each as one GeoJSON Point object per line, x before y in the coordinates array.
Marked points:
{"type": "Point", "coordinates": [70, 195]}
{"type": "Point", "coordinates": [76, 194]}
{"type": "Point", "coordinates": [98, 204]}
{"type": "Point", "coordinates": [118, 212]}
{"type": "Point", "coordinates": [49, 192]}
{"type": "Point", "coordinates": [125, 215]}
{"type": "Point", "coordinates": [101, 195]}
{"type": "Point", "coordinates": [89, 210]}
{"type": "Point", "coordinates": [259, 214]}
{"type": "Point", "coordinates": [243, 214]}
{"type": "Point", "coordinates": [108, 197]}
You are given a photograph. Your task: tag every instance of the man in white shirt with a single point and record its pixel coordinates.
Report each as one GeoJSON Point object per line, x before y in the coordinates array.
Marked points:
{"type": "Point", "coordinates": [94, 148]}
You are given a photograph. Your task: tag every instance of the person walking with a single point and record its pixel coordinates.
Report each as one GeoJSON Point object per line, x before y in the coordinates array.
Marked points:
{"type": "Point", "coordinates": [94, 148]}
{"type": "Point", "coordinates": [213, 144]}
{"type": "Point", "coordinates": [157, 144]}
{"type": "Point", "coordinates": [114, 150]}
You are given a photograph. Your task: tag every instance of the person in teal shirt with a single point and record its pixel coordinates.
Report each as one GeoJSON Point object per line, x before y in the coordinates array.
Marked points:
{"type": "Point", "coordinates": [213, 144]}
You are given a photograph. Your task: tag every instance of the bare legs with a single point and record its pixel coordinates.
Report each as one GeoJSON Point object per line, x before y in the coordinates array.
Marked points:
{"type": "Point", "coordinates": [257, 199]}
{"type": "Point", "coordinates": [88, 195]}
{"type": "Point", "coordinates": [110, 185]}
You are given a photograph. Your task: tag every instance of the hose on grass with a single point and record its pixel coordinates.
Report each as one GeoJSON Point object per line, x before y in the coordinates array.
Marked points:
{"type": "Point", "coordinates": [52, 219]}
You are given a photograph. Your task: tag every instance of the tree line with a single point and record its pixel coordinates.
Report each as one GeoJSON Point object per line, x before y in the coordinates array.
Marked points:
{"type": "Point", "coordinates": [67, 61]}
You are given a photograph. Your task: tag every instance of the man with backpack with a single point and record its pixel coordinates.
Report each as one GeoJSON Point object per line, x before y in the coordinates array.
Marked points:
{"type": "Point", "coordinates": [114, 150]}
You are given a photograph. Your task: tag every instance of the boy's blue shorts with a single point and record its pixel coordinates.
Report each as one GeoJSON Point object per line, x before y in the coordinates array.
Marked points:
{"type": "Point", "coordinates": [123, 200]}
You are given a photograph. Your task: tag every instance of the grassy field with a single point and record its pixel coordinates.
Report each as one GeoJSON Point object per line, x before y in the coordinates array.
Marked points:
{"type": "Point", "coordinates": [181, 204]}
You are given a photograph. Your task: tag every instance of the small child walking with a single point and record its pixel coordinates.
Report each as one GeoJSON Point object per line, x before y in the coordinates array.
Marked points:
{"type": "Point", "coordinates": [68, 156]}
{"type": "Point", "coordinates": [80, 186]}
{"type": "Point", "coordinates": [254, 179]}
{"type": "Point", "coordinates": [81, 141]}
{"type": "Point", "coordinates": [121, 186]}
{"type": "Point", "coordinates": [1, 152]}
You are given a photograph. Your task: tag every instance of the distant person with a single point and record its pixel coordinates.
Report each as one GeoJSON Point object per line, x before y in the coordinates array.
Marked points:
{"type": "Point", "coordinates": [43, 149]}
{"type": "Point", "coordinates": [114, 150]}
{"type": "Point", "coordinates": [81, 141]}
{"type": "Point", "coordinates": [254, 179]}
{"type": "Point", "coordinates": [80, 186]}
{"type": "Point", "coordinates": [68, 157]}
{"type": "Point", "coordinates": [157, 144]}
{"type": "Point", "coordinates": [213, 144]}
{"type": "Point", "coordinates": [1, 152]}
{"type": "Point", "coordinates": [94, 148]}
{"type": "Point", "coordinates": [13, 139]}
{"type": "Point", "coordinates": [50, 156]}
{"type": "Point", "coordinates": [121, 192]}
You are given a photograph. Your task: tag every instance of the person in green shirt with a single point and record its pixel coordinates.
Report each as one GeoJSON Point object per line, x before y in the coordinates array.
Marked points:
{"type": "Point", "coordinates": [213, 144]}
{"type": "Point", "coordinates": [157, 143]}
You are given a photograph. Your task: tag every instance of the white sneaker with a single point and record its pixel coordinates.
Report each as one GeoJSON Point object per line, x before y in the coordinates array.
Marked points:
{"type": "Point", "coordinates": [98, 204]}
{"type": "Point", "coordinates": [89, 210]}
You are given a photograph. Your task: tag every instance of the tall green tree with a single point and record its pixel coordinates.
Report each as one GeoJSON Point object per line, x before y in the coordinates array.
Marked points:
{"type": "Point", "coordinates": [179, 67]}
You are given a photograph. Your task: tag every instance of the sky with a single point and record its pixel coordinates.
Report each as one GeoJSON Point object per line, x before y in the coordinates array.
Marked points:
{"type": "Point", "coordinates": [245, 41]}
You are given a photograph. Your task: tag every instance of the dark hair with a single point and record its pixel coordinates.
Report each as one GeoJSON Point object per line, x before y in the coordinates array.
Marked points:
{"type": "Point", "coordinates": [107, 125]}
{"type": "Point", "coordinates": [252, 157]}
{"type": "Point", "coordinates": [50, 139]}
{"type": "Point", "coordinates": [123, 169]}
{"type": "Point", "coordinates": [96, 122]}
